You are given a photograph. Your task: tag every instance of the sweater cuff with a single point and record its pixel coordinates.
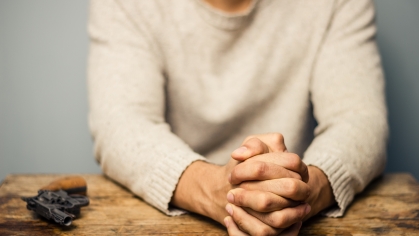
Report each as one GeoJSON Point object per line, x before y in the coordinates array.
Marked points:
{"type": "Point", "coordinates": [340, 181]}
{"type": "Point", "coordinates": [164, 178]}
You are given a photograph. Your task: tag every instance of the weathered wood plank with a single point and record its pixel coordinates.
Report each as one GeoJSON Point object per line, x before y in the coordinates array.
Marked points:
{"type": "Point", "coordinates": [393, 184]}
{"type": "Point", "coordinates": [27, 185]}
{"type": "Point", "coordinates": [389, 206]}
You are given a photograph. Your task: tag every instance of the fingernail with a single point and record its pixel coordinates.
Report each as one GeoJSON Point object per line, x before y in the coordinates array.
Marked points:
{"type": "Point", "coordinates": [229, 209]}
{"type": "Point", "coordinates": [308, 209]}
{"type": "Point", "coordinates": [230, 197]}
{"type": "Point", "coordinates": [239, 150]}
{"type": "Point", "coordinates": [226, 222]}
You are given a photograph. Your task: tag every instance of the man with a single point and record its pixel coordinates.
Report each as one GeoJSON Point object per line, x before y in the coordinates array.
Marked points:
{"type": "Point", "coordinates": [178, 90]}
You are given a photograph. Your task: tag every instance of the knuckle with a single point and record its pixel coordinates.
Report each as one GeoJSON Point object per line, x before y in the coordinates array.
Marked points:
{"type": "Point", "coordinates": [260, 168]}
{"type": "Point", "coordinates": [295, 160]}
{"type": "Point", "coordinates": [291, 186]}
{"type": "Point", "coordinates": [265, 203]}
{"type": "Point", "coordinates": [277, 138]}
{"type": "Point", "coordinates": [235, 174]}
{"type": "Point", "coordinates": [279, 221]}
{"type": "Point", "coordinates": [255, 145]}
{"type": "Point", "coordinates": [278, 142]}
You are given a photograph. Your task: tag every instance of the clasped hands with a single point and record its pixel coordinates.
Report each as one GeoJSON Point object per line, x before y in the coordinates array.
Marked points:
{"type": "Point", "coordinates": [270, 188]}
{"type": "Point", "coordinates": [262, 190]}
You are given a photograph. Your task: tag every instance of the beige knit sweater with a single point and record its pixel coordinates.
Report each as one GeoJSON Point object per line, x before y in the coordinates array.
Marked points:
{"type": "Point", "coordinates": [172, 82]}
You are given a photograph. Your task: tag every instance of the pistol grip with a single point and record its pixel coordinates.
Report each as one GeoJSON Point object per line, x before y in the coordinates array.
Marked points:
{"type": "Point", "coordinates": [70, 184]}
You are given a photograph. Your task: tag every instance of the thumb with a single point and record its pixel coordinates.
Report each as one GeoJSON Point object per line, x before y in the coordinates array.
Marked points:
{"type": "Point", "coordinates": [250, 148]}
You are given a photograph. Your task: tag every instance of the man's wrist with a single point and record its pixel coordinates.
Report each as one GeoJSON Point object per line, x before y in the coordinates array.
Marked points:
{"type": "Point", "coordinates": [321, 196]}
{"type": "Point", "coordinates": [198, 190]}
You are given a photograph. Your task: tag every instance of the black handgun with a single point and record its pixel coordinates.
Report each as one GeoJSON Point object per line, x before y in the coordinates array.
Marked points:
{"type": "Point", "coordinates": [56, 205]}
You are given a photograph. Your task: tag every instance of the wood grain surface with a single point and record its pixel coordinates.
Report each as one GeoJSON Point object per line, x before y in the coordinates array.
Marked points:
{"type": "Point", "coordinates": [389, 206]}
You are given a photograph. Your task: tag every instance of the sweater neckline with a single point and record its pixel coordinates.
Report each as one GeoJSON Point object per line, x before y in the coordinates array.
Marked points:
{"type": "Point", "coordinates": [224, 20]}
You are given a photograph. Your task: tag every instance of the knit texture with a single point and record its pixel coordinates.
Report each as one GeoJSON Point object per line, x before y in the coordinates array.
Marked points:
{"type": "Point", "coordinates": [173, 82]}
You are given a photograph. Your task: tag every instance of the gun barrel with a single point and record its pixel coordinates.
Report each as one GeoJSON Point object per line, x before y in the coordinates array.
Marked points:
{"type": "Point", "coordinates": [61, 217]}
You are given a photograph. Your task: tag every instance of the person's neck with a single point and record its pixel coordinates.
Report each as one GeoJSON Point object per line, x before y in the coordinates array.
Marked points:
{"type": "Point", "coordinates": [230, 6]}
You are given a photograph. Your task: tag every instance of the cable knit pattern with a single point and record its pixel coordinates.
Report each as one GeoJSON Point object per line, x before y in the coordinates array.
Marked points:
{"type": "Point", "coordinates": [173, 82]}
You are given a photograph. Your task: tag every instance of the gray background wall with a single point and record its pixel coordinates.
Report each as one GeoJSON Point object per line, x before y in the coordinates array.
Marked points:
{"type": "Point", "coordinates": [398, 39]}
{"type": "Point", "coordinates": [43, 98]}
{"type": "Point", "coordinates": [43, 101]}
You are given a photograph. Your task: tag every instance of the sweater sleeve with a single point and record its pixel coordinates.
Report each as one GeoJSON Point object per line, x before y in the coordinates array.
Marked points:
{"type": "Point", "coordinates": [347, 92]}
{"type": "Point", "coordinates": [133, 143]}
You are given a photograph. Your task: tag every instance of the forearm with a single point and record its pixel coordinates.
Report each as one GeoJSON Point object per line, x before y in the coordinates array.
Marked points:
{"type": "Point", "coordinates": [350, 155]}
{"type": "Point", "coordinates": [348, 96]}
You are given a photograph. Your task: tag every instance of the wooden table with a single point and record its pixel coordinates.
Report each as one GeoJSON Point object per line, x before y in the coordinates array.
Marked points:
{"type": "Point", "coordinates": [389, 206]}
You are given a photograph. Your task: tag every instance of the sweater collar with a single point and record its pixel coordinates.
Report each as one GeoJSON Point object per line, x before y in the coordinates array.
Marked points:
{"type": "Point", "coordinates": [224, 20]}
